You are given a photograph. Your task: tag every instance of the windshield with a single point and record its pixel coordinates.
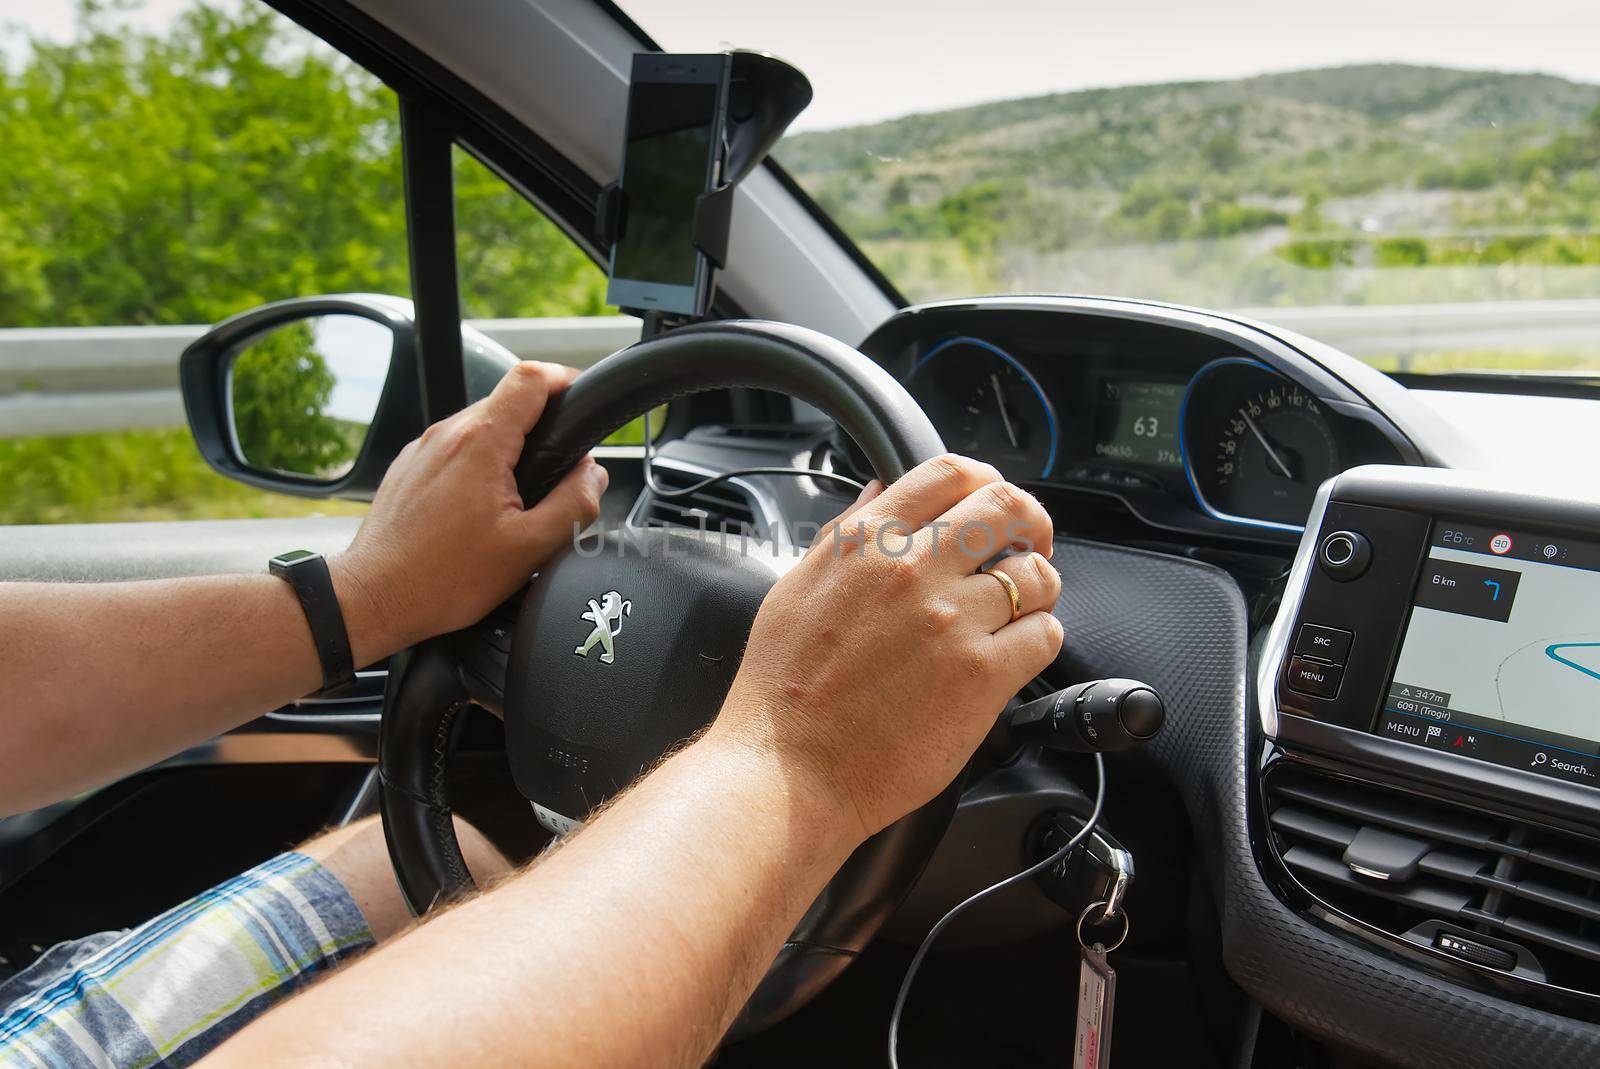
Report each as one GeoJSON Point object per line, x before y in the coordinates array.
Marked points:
{"type": "Point", "coordinates": [1416, 181]}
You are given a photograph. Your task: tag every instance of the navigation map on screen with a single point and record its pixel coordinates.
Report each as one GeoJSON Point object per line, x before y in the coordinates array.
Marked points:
{"type": "Point", "coordinates": [1501, 659]}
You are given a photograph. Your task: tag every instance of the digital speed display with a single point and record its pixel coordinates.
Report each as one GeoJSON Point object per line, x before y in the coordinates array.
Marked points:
{"type": "Point", "coordinates": [1137, 420]}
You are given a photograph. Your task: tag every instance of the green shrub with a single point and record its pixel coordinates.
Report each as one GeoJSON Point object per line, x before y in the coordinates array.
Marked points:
{"type": "Point", "coordinates": [131, 475]}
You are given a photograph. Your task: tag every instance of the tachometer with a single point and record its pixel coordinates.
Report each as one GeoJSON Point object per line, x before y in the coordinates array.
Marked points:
{"type": "Point", "coordinates": [986, 404]}
{"type": "Point", "coordinates": [1256, 445]}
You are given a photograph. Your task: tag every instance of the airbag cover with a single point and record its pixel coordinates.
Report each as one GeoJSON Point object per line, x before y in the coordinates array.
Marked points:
{"type": "Point", "coordinates": [639, 633]}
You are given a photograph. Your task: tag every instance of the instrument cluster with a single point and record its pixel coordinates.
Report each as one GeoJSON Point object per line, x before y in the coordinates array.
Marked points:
{"type": "Point", "coordinates": [1191, 429]}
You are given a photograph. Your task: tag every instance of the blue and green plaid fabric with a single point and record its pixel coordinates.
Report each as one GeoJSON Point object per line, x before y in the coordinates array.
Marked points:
{"type": "Point", "coordinates": [169, 991]}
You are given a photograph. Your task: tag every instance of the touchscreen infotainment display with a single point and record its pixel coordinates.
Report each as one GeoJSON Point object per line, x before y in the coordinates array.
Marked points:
{"type": "Point", "coordinates": [1501, 658]}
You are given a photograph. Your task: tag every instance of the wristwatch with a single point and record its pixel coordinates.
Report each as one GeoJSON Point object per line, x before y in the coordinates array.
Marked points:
{"type": "Point", "coordinates": [308, 573]}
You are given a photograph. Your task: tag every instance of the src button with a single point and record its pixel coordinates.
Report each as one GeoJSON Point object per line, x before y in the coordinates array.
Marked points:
{"type": "Point", "coordinates": [1314, 678]}
{"type": "Point", "coordinates": [1324, 643]}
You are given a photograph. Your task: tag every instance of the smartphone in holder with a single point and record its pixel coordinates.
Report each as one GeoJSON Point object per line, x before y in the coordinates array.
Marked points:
{"type": "Point", "coordinates": [673, 154]}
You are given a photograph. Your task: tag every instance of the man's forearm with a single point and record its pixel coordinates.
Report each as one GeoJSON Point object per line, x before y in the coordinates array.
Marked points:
{"type": "Point", "coordinates": [635, 943]}
{"type": "Point", "coordinates": [104, 679]}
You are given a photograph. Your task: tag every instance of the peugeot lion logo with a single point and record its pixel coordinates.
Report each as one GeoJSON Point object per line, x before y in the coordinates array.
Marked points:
{"type": "Point", "coordinates": [606, 615]}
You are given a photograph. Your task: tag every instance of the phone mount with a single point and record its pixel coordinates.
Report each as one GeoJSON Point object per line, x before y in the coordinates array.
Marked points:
{"type": "Point", "coordinates": [764, 96]}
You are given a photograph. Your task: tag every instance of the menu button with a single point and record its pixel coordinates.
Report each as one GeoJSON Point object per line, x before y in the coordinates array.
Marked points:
{"type": "Point", "coordinates": [1314, 678]}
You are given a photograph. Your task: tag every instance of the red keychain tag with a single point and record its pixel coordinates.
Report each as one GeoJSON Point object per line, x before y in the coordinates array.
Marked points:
{"type": "Point", "coordinates": [1097, 993]}
{"type": "Point", "coordinates": [1097, 996]}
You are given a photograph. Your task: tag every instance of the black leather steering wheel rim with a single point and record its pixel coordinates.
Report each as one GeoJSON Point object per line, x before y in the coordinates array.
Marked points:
{"type": "Point", "coordinates": [426, 691]}
{"type": "Point", "coordinates": [868, 402]}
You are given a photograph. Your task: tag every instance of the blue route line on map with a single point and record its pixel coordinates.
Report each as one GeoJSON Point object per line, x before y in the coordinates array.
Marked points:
{"type": "Point", "coordinates": [1550, 652]}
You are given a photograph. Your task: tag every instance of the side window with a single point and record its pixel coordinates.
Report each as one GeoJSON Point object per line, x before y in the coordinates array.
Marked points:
{"type": "Point", "coordinates": [163, 171]}
{"type": "Point", "coordinates": [168, 167]}
{"type": "Point", "coordinates": [513, 263]}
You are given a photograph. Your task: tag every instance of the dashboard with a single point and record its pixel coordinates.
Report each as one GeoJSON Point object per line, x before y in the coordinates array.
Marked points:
{"type": "Point", "coordinates": [1380, 758]}
{"type": "Point", "coordinates": [1426, 697]}
{"type": "Point", "coordinates": [1407, 831]}
{"type": "Point", "coordinates": [1380, 659]}
{"type": "Point", "coordinates": [1194, 422]}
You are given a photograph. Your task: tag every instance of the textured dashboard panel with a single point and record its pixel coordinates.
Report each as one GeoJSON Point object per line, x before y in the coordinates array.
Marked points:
{"type": "Point", "coordinates": [1180, 625]}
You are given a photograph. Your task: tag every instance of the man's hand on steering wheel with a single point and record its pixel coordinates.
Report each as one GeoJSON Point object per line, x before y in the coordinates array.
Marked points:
{"type": "Point", "coordinates": [884, 629]}
{"type": "Point", "coordinates": [447, 538]}
{"type": "Point", "coordinates": [748, 868]}
{"type": "Point", "coordinates": [877, 665]}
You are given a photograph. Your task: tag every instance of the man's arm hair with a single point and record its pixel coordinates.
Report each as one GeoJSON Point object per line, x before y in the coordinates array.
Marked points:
{"type": "Point", "coordinates": [98, 680]}
{"type": "Point", "coordinates": [103, 679]}
{"type": "Point", "coordinates": [867, 683]}
{"type": "Point", "coordinates": [633, 944]}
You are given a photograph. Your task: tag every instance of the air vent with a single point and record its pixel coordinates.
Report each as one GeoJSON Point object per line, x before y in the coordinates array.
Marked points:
{"type": "Point", "coordinates": [720, 507]}
{"type": "Point", "coordinates": [1403, 864]}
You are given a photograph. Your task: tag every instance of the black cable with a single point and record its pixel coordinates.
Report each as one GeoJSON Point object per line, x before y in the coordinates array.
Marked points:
{"type": "Point", "coordinates": [1010, 881]}
{"type": "Point", "coordinates": [662, 491]}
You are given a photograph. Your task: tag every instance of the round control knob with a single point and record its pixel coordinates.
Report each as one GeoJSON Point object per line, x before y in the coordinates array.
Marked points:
{"type": "Point", "coordinates": [1344, 555]}
{"type": "Point", "coordinates": [1141, 713]}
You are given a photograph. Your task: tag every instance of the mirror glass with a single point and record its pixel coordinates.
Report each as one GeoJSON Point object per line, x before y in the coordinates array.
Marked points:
{"type": "Point", "coordinates": [302, 395]}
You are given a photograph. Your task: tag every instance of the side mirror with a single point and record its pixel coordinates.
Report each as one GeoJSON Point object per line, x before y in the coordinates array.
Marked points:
{"type": "Point", "coordinates": [302, 395]}
{"type": "Point", "coordinates": [317, 395]}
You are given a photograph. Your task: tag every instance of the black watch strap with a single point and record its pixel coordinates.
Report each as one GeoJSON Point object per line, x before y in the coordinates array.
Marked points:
{"type": "Point", "coordinates": [308, 574]}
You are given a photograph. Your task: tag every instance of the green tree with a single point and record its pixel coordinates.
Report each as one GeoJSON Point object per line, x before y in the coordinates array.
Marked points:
{"type": "Point", "coordinates": [1309, 220]}
{"type": "Point", "coordinates": [1223, 152]}
{"type": "Point", "coordinates": [280, 386]}
{"type": "Point", "coordinates": [899, 194]}
{"type": "Point", "coordinates": [512, 261]}
{"type": "Point", "coordinates": [182, 176]}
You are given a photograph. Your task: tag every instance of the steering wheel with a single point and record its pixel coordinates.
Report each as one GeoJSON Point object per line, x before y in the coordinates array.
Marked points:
{"type": "Point", "coordinates": [625, 648]}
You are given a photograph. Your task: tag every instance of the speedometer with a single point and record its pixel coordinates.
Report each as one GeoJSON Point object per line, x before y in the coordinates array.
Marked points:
{"type": "Point", "coordinates": [1256, 445]}
{"type": "Point", "coordinates": [987, 404]}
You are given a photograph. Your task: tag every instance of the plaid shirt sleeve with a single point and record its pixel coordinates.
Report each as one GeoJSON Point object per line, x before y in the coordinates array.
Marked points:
{"type": "Point", "coordinates": [169, 991]}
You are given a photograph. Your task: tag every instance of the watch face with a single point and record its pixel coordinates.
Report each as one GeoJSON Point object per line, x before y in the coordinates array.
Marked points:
{"type": "Point", "coordinates": [294, 556]}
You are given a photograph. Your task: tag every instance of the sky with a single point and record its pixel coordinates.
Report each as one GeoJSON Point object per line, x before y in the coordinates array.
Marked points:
{"type": "Point", "coordinates": [54, 18]}
{"type": "Point", "coordinates": [357, 351]}
{"type": "Point", "coordinates": [876, 59]}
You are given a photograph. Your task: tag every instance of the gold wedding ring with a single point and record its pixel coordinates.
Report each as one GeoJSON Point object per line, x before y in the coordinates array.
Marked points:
{"type": "Point", "coordinates": [1011, 591]}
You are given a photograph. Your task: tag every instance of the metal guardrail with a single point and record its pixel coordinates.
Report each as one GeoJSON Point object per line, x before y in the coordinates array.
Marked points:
{"type": "Point", "coordinates": [68, 380]}
{"type": "Point", "coordinates": [76, 380]}
{"type": "Point", "coordinates": [1408, 330]}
